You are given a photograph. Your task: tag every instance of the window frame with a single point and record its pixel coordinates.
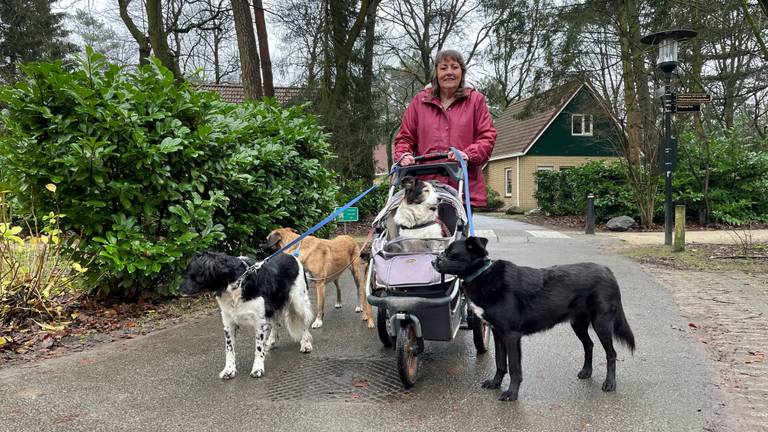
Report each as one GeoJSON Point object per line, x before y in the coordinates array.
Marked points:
{"type": "Point", "coordinates": [508, 182]}
{"type": "Point", "coordinates": [584, 120]}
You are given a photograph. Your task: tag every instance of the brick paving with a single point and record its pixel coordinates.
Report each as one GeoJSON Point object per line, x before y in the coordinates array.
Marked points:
{"type": "Point", "coordinates": [728, 312]}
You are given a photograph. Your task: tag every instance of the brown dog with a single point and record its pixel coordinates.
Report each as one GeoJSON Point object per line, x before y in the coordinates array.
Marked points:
{"type": "Point", "coordinates": [326, 260]}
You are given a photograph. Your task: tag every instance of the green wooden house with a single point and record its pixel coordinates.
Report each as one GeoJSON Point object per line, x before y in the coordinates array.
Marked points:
{"type": "Point", "coordinates": [558, 129]}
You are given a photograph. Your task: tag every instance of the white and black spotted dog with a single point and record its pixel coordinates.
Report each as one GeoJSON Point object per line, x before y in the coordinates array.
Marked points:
{"type": "Point", "coordinates": [274, 295]}
{"type": "Point", "coordinates": [416, 216]}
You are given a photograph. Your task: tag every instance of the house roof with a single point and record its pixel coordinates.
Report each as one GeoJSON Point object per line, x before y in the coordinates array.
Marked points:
{"type": "Point", "coordinates": [523, 122]}
{"type": "Point", "coordinates": [234, 93]}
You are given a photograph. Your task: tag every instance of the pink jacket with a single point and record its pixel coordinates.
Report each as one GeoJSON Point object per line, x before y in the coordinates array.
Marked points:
{"type": "Point", "coordinates": [466, 125]}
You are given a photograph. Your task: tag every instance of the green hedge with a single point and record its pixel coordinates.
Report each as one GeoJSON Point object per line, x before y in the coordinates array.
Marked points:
{"type": "Point", "coordinates": [565, 192]}
{"type": "Point", "coordinates": [738, 181]}
{"type": "Point", "coordinates": [150, 172]}
{"type": "Point", "coordinates": [737, 184]}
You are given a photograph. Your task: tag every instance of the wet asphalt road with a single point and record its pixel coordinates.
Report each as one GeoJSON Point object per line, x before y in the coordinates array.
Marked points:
{"type": "Point", "coordinates": [168, 381]}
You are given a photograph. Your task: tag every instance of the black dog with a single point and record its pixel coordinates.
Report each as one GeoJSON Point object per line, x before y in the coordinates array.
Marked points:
{"type": "Point", "coordinates": [517, 301]}
{"type": "Point", "coordinates": [274, 294]}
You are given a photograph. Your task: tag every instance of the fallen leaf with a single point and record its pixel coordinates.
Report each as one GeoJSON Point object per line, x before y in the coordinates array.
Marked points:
{"type": "Point", "coordinates": [453, 370]}
{"type": "Point", "coordinates": [87, 361]}
{"type": "Point", "coordinates": [361, 384]}
{"type": "Point", "coordinates": [755, 357]}
{"type": "Point", "coordinates": [67, 418]}
{"type": "Point", "coordinates": [352, 397]}
{"type": "Point", "coordinates": [692, 325]}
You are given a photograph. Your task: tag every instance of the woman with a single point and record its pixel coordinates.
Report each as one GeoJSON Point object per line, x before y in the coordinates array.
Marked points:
{"type": "Point", "coordinates": [448, 114]}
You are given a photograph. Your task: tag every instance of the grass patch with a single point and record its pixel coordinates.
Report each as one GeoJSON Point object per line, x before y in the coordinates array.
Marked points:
{"type": "Point", "coordinates": [700, 257]}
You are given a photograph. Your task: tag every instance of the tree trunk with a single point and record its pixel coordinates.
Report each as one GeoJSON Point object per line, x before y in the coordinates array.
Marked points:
{"type": "Point", "coordinates": [636, 99]}
{"type": "Point", "coordinates": [158, 37]}
{"type": "Point", "coordinates": [144, 48]}
{"type": "Point", "coordinates": [266, 61]}
{"type": "Point", "coordinates": [343, 42]}
{"type": "Point", "coordinates": [246, 46]}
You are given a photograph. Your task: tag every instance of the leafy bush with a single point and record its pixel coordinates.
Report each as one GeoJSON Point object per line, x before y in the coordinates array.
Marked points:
{"type": "Point", "coordinates": [565, 192]}
{"type": "Point", "coordinates": [494, 201]}
{"type": "Point", "coordinates": [370, 205]}
{"type": "Point", "coordinates": [150, 172]}
{"type": "Point", "coordinates": [738, 176]}
{"type": "Point", "coordinates": [37, 275]}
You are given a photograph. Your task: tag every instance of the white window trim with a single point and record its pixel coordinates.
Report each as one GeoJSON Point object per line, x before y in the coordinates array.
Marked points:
{"type": "Point", "coordinates": [507, 189]}
{"type": "Point", "coordinates": [582, 119]}
{"type": "Point", "coordinates": [517, 185]}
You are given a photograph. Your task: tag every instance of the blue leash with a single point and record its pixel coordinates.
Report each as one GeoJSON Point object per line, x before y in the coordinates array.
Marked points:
{"type": "Point", "coordinates": [340, 210]}
{"type": "Point", "coordinates": [466, 189]}
{"type": "Point", "coordinates": [323, 222]}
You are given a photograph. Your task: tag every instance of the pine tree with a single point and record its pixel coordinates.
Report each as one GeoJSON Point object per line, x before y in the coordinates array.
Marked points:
{"type": "Point", "coordinates": [29, 31]}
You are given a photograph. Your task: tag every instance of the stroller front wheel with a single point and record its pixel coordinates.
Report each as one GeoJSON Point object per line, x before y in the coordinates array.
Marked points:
{"type": "Point", "coordinates": [407, 358]}
{"type": "Point", "coordinates": [382, 324]}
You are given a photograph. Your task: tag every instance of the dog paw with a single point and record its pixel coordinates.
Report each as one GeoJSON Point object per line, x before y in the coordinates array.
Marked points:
{"type": "Point", "coordinates": [227, 374]}
{"type": "Point", "coordinates": [491, 384]}
{"type": "Point", "coordinates": [585, 373]}
{"type": "Point", "coordinates": [337, 305]}
{"type": "Point", "coordinates": [371, 325]}
{"type": "Point", "coordinates": [257, 373]}
{"type": "Point", "coordinates": [358, 309]}
{"type": "Point", "coordinates": [317, 324]}
{"type": "Point", "coordinates": [508, 395]}
{"type": "Point", "coordinates": [305, 348]}
{"type": "Point", "coordinates": [609, 385]}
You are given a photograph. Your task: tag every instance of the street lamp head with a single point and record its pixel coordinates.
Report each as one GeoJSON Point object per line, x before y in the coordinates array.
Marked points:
{"type": "Point", "coordinates": [667, 41]}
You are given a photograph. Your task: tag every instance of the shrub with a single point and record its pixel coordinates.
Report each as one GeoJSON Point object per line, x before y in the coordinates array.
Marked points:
{"type": "Point", "coordinates": [494, 201]}
{"type": "Point", "coordinates": [565, 192]}
{"type": "Point", "coordinates": [738, 176]}
{"type": "Point", "coordinates": [150, 172]}
{"type": "Point", "coordinates": [370, 205]}
{"type": "Point", "coordinates": [37, 275]}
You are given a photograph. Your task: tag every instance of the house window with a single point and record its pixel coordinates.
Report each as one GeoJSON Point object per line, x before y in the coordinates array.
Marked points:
{"type": "Point", "coordinates": [565, 168]}
{"type": "Point", "coordinates": [508, 182]}
{"type": "Point", "coordinates": [545, 168]}
{"type": "Point", "coordinates": [581, 124]}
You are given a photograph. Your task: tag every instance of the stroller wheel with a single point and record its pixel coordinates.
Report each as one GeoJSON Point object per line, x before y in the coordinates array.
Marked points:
{"type": "Point", "coordinates": [382, 322]}
{"type": "Point", "coordinates": [407, 358]}
{"type": "Point", "coordinates": [481, 333]}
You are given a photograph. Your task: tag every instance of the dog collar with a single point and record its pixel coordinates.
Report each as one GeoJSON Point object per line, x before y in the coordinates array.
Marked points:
{"type": "Point", "coordinates": [485, 267]}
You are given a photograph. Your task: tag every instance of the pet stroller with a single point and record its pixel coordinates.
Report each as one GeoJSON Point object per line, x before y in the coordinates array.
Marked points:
{"type": "Point", "coordinates": [414, 302]}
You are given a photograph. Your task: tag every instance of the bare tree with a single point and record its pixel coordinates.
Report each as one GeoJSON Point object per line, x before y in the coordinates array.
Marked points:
{"type": "Point", "coordinates": [249, 56]}
{"type": "Point", "coordinates": [266, 60]}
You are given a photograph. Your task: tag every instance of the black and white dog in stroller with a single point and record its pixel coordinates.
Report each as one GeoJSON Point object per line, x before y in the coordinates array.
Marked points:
{"type": "Point", "coordinates": [414, 302]}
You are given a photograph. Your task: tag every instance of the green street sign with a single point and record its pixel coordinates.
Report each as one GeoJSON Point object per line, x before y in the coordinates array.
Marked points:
{"type": "Point", "coordinates": [348, 215]}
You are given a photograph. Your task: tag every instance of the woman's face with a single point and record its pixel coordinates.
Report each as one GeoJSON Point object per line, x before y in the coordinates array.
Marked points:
{"type": "Point", "coordinates": [449, 74]}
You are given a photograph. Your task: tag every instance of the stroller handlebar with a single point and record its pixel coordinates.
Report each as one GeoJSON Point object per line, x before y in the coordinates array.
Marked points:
{"type": "Point", "coordinates": [430, 157]}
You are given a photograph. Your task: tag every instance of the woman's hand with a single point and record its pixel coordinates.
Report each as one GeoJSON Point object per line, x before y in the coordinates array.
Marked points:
{"type": "Point", "coordinates": [407, 160]}
{"type": "Point", "coordinates": [452, 155]}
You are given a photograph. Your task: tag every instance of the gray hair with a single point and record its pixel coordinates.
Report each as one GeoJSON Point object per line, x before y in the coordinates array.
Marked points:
{"type": "Point", "coordinates": [441, 57]}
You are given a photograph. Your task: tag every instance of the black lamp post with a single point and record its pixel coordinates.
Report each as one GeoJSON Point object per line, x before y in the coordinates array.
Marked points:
{"type": "Point", "coordinates": [667, 41]}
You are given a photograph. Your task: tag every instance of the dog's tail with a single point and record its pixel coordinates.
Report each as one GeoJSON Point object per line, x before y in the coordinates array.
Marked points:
{"type": "Point", "coordinates": [621, 329]}
{"type": "Point", "coordinates": [299, 316]}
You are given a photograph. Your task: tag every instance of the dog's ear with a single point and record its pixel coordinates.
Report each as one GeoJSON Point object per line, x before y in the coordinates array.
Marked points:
{"type": "Point", "coordinates": [408, 182]}
{"type": "Point", "coordinates": [273, 238]}
{"type": "Point", "coordinates": [477, 245]}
